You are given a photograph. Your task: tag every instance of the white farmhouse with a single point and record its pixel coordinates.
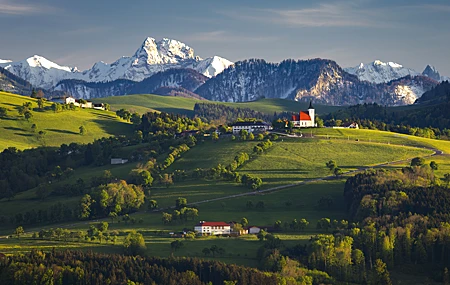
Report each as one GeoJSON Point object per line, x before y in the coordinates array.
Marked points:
{"type": "Point", "coordinates": [250, 127]}
{"type": "Point", "coordinates": [212, 228]}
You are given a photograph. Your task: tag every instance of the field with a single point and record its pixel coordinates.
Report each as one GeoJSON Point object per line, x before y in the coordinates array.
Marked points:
{"type": "Point", "coordinates": [149, 102]}
{"type": "Point", "coordinates": [290, 160]}
{"type": "Point", "coordinates": [62, 127]}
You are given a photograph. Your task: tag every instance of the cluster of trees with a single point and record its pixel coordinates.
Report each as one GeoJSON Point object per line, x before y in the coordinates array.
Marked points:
{"type": "Point", "coordinates": [76, 267]}
{"type": "Point", "coordinates": [95, 232]}
{"type": "Point", "coordinates": [219, 114]}
{"type": "Point", "coordinates": [295, 225]}
{"type": "Point", "coordinates": [180, 213]}
{"type": "Point", "coordinates": [169, 124]}
{"type": "Point", "coordinates": [175, 153]}
{"type": "Point", "coordinates": [262, 146]}
{"type": "Point", "coordinates": [333, 167]}
{"type": "Point", "coordinates": [111, 199]}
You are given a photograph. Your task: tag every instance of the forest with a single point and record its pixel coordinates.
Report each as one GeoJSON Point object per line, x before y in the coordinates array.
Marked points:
{"type": "Point", "coordinates": [429, 117]}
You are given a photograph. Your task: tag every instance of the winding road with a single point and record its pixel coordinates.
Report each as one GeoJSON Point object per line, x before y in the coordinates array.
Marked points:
{"type": "Point", "coordinates": [436, 152]}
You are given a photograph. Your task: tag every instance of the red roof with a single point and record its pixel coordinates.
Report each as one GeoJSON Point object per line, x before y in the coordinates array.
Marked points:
{"type": "Point", "coordinates": [303, 116]}
{"type": "Point", "coordinates": [213, 224]}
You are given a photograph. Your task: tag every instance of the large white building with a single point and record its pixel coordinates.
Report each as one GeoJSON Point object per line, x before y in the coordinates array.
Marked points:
{"type": "Point", "coordinates": [305, 119]}
{"type": "Point", "coordinates": [251, 127]}
{"type": "Point", "coordinates": [212, 228]}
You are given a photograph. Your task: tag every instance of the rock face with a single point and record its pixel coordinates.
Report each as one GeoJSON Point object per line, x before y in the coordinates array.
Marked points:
{"type": "Point", "coordinates": [13, 84]}
{"type": "Point", "coordinates": [180, 80]}
{"type": "Point", "coordinates": [151, 57]}
{"type": "Point", "coordinates": [322, 81]}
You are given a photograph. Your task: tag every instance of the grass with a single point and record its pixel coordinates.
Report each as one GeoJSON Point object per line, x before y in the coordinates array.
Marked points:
{"type": "Point", "coordinates": [289, 160]}
{"type": "Point", "coordinates": [149, 102]}
{"type": "Point", "coordinates": [62, 127]}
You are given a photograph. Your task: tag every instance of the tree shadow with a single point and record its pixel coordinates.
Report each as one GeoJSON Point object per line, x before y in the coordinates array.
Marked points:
{"type": "Point", "coordinates": [9, 104]}
{"type": "Point", "coordinates": [14, 129]}
{"type": "Point", "coordinates": [24, 135]}
{"type": "Point", "coordinates": [8, 119]}
{"type": "Point", "coordinates": [62, 131]}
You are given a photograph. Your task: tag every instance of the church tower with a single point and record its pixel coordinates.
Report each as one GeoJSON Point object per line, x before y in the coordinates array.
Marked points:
{"type": "Point", "coordinates": [312, 114]}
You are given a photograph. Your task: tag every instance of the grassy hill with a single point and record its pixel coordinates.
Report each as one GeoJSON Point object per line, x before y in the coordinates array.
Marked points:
{"type": "Point", "coordinates": [62, 127]}
{"type": "Point", "coordinates": [150, 102]}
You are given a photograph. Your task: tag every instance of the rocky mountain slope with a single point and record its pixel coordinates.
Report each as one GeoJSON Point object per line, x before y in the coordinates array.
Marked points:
{"type": "Point", "coordinates": [151, 57]}
{"type": "Point", "coordinates": [178, 80]}
{"type": "Point", "coordinates": [14, 84]}
{"type": "Point", "coordinates": [322, 81]}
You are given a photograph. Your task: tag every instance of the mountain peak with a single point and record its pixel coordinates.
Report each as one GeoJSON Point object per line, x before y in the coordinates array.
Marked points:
{"type": "Point", "coordinates": [431, 72]}
{"type": "Point", "coordinates": [380, 72]}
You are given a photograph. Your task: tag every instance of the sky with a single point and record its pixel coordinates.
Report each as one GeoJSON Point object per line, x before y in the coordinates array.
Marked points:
{"type": "Point", "coordinates": [79, 33]}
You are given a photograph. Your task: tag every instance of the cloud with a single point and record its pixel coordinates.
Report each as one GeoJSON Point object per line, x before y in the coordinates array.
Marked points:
{"type": "Point", "coordinates": [10, 8]}
{"type": "Point", "coordinates": [341, 14]}
{"type": "Point", "coordinates": [224, 36]}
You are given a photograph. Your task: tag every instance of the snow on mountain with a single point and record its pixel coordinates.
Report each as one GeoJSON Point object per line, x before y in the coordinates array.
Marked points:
{"type": "Point", "coordinates": [151, 57]}
{"type": "Point", "coordinates": [212, 66]}
{"type": "Point", "coordinates": [5, 60]}
{"type": "Point", "coordinates": [40, 71]}
{"type": "Point", "coordinates": [381, 72]}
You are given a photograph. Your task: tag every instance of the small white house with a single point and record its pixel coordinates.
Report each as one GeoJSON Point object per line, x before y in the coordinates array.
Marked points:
{"type": "Point", "coordinates": [118, 161]}
{"type": "Point", "coordinates": [212, 228]}
{"type": "Point", "coordinates": [250, 127]}
{"type": "Point", "coordinates": [76, 102]}
{"type": "Point", "coordinates": [254, 230]}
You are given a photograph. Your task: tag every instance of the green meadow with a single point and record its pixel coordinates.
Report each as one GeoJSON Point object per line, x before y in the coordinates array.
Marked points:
{"type": "Point", "coordinates": [59, 128]}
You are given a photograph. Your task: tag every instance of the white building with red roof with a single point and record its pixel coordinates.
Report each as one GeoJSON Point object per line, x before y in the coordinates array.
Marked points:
{"type": "Point", "coordinates": [212, 228]}
{"type": "Point", "coordinates": [305, 119]}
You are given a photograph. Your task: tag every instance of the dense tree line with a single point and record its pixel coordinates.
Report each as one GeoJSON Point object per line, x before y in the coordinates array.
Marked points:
{"type": "Point", "coordinates": [430, 118]}
{"type": "Point", "coordinates": [76, 267]}
{"type": "Point", "coordinates": [220, 114]}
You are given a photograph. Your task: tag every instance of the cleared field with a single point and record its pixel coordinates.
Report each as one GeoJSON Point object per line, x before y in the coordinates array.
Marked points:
{"type": "Point", "coordinates": [149, 102]}
{"type": "Point", "coordinates": [62, 127]}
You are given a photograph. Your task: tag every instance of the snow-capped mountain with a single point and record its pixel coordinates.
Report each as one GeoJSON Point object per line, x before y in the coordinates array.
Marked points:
{"type": "Point", "coordinates": [379, 72]}
{"type": "Point", "coordinates": [5, 60]}
{"type": "Point", "coordinates": [320, 80]}
{"type": "Point", "coordinates": [150, 58]}
{"type": "Point", "coordinates": [212, 66]}
{"type": "Point", "coordinates": [39, 71]}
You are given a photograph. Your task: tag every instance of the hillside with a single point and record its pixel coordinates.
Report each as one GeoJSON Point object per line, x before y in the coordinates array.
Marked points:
{"type": "Point", "coordinates": [143, 103]}
{"type": "Point", "coordinates": [59, 128]}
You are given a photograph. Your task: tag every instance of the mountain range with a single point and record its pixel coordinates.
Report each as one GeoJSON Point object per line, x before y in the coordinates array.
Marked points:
{"type": "Point", "coordinates": [170, 67]}
{"type": "Point", "coordinates": [151, 57]}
